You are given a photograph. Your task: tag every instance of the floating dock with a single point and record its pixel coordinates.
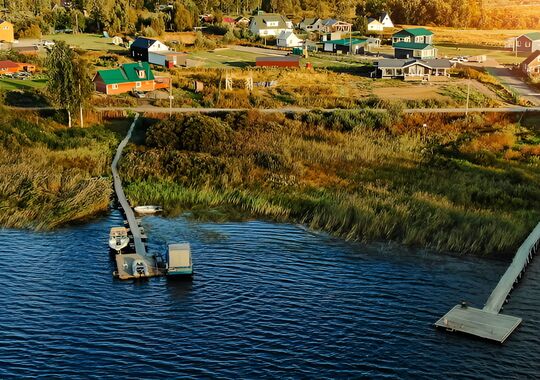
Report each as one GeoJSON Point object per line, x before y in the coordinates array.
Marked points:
{"type": "Point", "coordinates": [125, 262]}
{"type": "Point", "coordinates": [487, 322]}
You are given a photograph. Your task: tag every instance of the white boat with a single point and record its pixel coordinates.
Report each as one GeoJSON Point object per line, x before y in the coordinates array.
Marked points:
{"type": "Point", "coordinates": [139, 269]}
{"type": "Point", "coordinates": [118, 238]}
{"type": "Point", "coordinates": [148, 209]}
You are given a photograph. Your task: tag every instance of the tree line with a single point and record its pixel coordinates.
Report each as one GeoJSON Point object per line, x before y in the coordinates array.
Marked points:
{"type": "Point", "coordinates": [32, 17]}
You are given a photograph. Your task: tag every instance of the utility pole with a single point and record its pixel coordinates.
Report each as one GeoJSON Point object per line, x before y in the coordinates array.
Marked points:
{"type": "Point", "coordinates": [171, 97]}
{"type": "Point", "coordinates": [468, 96]}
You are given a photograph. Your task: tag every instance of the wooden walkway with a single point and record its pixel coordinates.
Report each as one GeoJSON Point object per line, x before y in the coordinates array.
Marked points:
{"type": "Point", "coordinates": [487, 322]}
{"type": "Point", "coordinates": [124, 262]}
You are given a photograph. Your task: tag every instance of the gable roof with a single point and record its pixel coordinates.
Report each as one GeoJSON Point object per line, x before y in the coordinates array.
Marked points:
{"type": "Point", "coordinates": [372, 20]}
{"type": "Point", "coordinates": [309, 20]}
{"type": "Point", "coordinates": [332, 21]}
{"type": "Point", "coordinates": [531, 57]}
{"type": "Point", "coordinates": [4, 21]}
{"type": "Point", "coordinates": [263, 20]}
{"type": "Point", "coordinates": [413, 32]}
{"type": "Point", "coordinates": [126, 73]}
{"type": "Point", "coordinates": [286, 34]}
{"type": "Point", "coordinates": [9, 64]}
{"type": "Point", "coordinates": [534, 36]}
{"type": "Point", "coordinates": [411, 46]}
{"type": "Point", "coordinates": [383, 15]}
{"type": "Point", "coordinates": [143, 42]}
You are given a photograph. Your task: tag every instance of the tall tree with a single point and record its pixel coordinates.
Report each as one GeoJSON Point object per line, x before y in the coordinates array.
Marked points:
{"type": "Point", "coordinates": [69, 85]}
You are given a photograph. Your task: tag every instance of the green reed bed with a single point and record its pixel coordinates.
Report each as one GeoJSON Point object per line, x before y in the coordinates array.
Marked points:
{"type": "Point", "coordinates": [51, 175]}
{"type": "Point", "coordinates": [461, 185]}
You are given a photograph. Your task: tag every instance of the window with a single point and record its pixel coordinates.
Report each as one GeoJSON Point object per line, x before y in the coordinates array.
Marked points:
{"type": "Point", "coordinates": [528, 44]}
{"type": "Point", "coordinates": [115, 87]}
{"type": "Point", "coordinates": [138, 84]}
{"type": "Point", "coordinates": [141, 74]}
{"type": "Point", "coordinates": [519, 43]}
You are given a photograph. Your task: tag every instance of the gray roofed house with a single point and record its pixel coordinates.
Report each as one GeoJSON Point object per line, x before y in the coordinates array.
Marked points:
{"type": "Point", "coordinates": [414, 69]}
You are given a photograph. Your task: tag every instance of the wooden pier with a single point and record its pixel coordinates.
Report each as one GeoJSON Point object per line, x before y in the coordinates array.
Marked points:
{"type": "Point", "coordinates": [124, 262]}
{"type": "Point", "coordinates": [487, 322]}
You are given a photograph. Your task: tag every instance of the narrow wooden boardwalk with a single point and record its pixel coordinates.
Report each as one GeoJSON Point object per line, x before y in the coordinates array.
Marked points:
{"type": "Point", "coordinates": [487, 322]}
{"type": "Point", "coordinates": [124, 262]}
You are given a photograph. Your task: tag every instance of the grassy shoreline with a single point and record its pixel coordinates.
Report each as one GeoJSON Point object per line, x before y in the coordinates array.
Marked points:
{"type": "Point", "coordinates": [466, 186]}
{"type": "Point", "coordinates": [51, 175]}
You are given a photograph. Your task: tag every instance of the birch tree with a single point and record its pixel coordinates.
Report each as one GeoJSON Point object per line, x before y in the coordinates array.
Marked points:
{"type": "Point", "coordinates": [69, 85]}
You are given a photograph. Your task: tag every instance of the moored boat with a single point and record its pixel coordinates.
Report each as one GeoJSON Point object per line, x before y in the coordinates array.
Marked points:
{"type": "Point", "coordinates": [118, 238]}
{"type": "Point", "coordinates": [147, 209]}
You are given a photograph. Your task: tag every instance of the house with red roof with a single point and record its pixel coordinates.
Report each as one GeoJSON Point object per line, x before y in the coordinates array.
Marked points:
{"type": "Point", "coordinates": [10, 67]}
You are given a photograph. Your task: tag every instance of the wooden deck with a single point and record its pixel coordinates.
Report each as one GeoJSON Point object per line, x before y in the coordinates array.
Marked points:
{"type": "Point", "coordinates": [487, 322]}
{"type": "Point", "coordinates": [124, 262]}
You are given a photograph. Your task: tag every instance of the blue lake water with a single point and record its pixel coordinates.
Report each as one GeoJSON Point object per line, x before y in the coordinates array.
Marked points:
{"type": "Point", "coordinates": [267, 301]}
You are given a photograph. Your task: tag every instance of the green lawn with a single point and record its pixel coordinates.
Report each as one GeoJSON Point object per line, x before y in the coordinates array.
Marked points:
{"type": "Point", "coordinates": [86, 41]}
{"type": "Point", "coordinates": [17, 84]}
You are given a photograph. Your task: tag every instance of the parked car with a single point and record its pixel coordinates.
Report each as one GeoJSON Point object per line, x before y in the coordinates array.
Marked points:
{"type": "Point", "coordinates": [138, 94]}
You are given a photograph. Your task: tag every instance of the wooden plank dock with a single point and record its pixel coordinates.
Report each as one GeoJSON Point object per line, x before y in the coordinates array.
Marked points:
{"type": "Point", "coordinates": [487, 322]}
{"type": "Point", "coordinates": [124, 262]}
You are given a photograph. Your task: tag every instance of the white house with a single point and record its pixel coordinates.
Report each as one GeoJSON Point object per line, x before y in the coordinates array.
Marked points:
{"type": "Point", "coordinates": [288, 39]}
{"type": "Point", "coordinates": [270, 25]}
{"type": "Point", "coordinates": [385, 20]}
{"type": "Point", "coordinates": [374, 25]}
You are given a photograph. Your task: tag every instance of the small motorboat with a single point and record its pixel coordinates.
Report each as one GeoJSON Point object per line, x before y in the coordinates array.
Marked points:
{"type": "Point", "coordinates": [148, 209]}
{"type": "Point", "coordinates": [139, 269]}
{"type": "Point", "coordinates": [118, 238]}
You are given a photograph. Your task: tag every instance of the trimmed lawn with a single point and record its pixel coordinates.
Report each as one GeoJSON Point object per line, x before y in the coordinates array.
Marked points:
{"type": "Point", "coordinates": [17, 84]}
{"type": "Point", "coordinates": [87, 41]}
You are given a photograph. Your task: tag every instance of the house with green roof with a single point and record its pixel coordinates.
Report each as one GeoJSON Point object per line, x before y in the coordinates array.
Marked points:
{"type": "Point", "coordinates": [414, 43]}
{"type": "Point", "coordinates": [128, 77]}
{"type": "Point", "coordinates": [528, 42]}
{"type": "Point", "coordinates": [346, 45]}
{"type": "Point", "coordinates": [414, 35]}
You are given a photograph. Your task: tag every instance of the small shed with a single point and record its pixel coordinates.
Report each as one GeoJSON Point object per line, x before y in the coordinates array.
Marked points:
{"type": "Point", "coordinates": [179, 260]}
{"type": "Point", "coordinates": [284, 61]}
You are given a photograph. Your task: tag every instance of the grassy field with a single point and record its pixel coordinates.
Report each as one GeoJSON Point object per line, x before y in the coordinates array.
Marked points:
{"type": "Point", "coordinates": [468, 185]}
{"type": "Point", "coordinates": [87, 41]}
{"type": "Point", "coordinates": [17, 84]}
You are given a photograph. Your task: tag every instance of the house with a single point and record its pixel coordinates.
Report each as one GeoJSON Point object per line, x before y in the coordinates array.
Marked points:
{"type": "Point", "coordinates": [242, 21]}
{"type": "Point", "coordinates": [414, 35]}
{"type": "Point", "coordinates": [328, 25]}
{"type": "Point", "coordinates": [269, 24]}
{"type": "Point", "coordinates": [142, 46]}
{"type": "Point", "coordinates": [414, 69]}
{"type": "Point", "coordinates": [385, 19]}
{"type": "Point", "coordinates": [531, 65]}
{"type": "Point", "coordinates": [282, 61]}
{"type": "Point", "coordinates": [414, 43]}
{"type": "Point", "coordinates": [527, 43]}
{"type": "Point", "coordinates": [10, 67]}
{"type": "Point", "coordinates": [374, 25]}
{"type": "Point", "coordinates": [288, 40]}
{"type": "Point", "coordinates": [128, 77]}
{"type": "Point", "coordinates": [6, 31]}
{"type": "Point", "coordinates": [309, 24]}
{"type": "Point", "coordinates": [206, 18]}
{"type": "Point", "coordinates": [404, 50]}
{"type": "Point", "coordinates": [228, 21]}
{"type": "Point", "coordinates": [344, 46]}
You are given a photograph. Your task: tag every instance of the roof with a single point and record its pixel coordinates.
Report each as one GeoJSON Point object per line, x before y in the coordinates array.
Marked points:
{"type": "Point", "coordinates": [347, 41]}
{"type": "Point", "coordinates": [8, 64]}
{"type": "Point", "coordinates": [286, 34]}
{"type": "Point", "coordinates": [383, 15]}
{"type": "Point", "coordinates": [126, 73]}
{"type": "Point", "coordinates": [143, 42]}
{"type": "Point", "coordinates": [372, 20]}
{"type": "Point", "coordinates": [271, 17]}
{"type": "Point", "coordinates": [229, 20]}
{"type": "Point", "coordinates": [411, 46]}
{"type": "Point", "coordinates": [401, 63]}
{"type": "Point", "coordinates": [414, 32]}
{"type": "Point", "coordinates": [534, 36]}
{"type": "Point", "coordinates": [309, 20]}
{"type": "Point", "coordinates": [3, 21]}
{"type": "Point", "coordinates": [331, 21]}
{"type": "Point", "coordinates": [531, 57]}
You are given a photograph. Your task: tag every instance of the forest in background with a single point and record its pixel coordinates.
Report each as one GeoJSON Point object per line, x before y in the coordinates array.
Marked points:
{"type": "Point", "coordinates": [33, 17]}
